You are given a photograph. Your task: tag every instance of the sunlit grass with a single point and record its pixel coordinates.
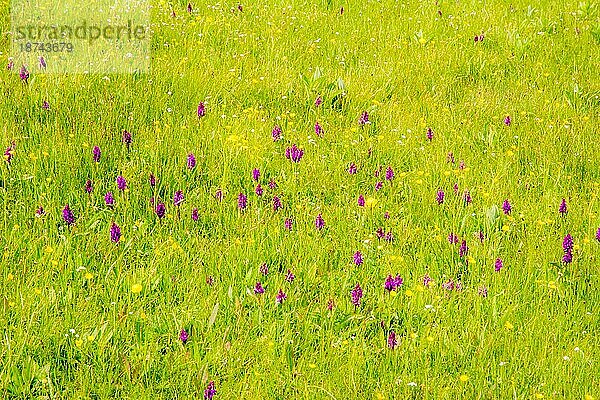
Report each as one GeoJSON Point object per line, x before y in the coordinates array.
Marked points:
{"type": "Point", "coordinates": [85, 317]}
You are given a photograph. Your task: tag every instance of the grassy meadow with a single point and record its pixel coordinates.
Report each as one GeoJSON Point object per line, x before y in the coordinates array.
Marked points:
{"type": "Point", "coordinates": [378, 200]}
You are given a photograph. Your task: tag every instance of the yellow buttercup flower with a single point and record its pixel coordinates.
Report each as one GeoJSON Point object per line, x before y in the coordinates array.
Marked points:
{"type": "Point", "coordinates": [370, 202]}
{"type": "Point", "coordinates": [136, 288]}
{"type": "Point", "coordinates": [463, 378]}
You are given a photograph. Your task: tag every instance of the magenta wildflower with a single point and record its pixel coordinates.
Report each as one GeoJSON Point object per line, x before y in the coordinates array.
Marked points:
{"type": "Point", "coordinates": [498, 265]}
{"type": "Point", "coordinates": [467, 197]}
{"type": "Point", "coordinates": [378, 186]}
{"type": "Point", "coordinates": [89, 186]}
{"type": "Point", "coordinates": [463, 250]}
{"type": "Point", "coordinates": [318, 101]}
{"type": "Point", "coordinates": [264, 269]}
{"type": "Point", "coordinates": [258, 288]}
{"type": "Point", "coordinates": [386, 215]}
{"type": "Point", "coordinates": [480, 235]}
{"type": "Point", "coordinates": [201, 111]}
{"type": "Point", "coordinates": [276, 133]}
{"type": "Point", "coordinates": [219, 195]}
{"type": "Point", "coordinates": [96, 153]}
{"type": "Point", "coordinates": [294, 153]}
{"type": "Point", "coordinates": [389, 237]}
{"type": "Point", "coordinates": [256, 174]}
{"type": "Point", "coordinates": [352, 169]}
{"type": "Point", "coordinates": [210, 391]}
{"type": "Point", "coordinates": [398, 281]}
{"type": "Point", "coordinates": [45, 105]}
{"type": "Point", "coordinates": [242, 201]}
{"type": "Point", "coordinates": [562, 209]}
{"type": "Point", "coordinates": [152, 180]}
{"type": "Point", "coordinates": [191, 161]}
{"type": "Point", "coordinates": [11, 64]}
{"type": "Point", "coordinates": [183, 336]}
{"type": "Point", "coordinates": [389, 174]}
{"type": "Point", "coordinates": [455, 188]}
{"type": "Point", "coordinates": [290, 276]}
{"type": "Point", "coordinates": [40, 211]}
{"type": "Point", "coordinates": [452, 238]}
{"type": "Point", "coordinates": [121, 182]}
{"type": "Point", "coordinates": [127, 138]}
{"type": "Point", "coordinates": [449, 285]}
{"type": "Point", "coordinates": [195, 214]}
{"type": "Point", "coordinates": [330, 304]}
{"type": "Point", "coordinates": [189, 8]}
{"type": "Point", "coordinates": [319, 222]}
{"type": "Point", "coordinates": [9, 153]}
{"type": "Point", "coordinates": [389, 283]}
{"type": "Point", "coordinates": [391, 340]}
{"type": "Point", "coordinates": [450, 158]}
{"type": "Point", "coordinates": [598, 235]}
{"type": "Point", "coordinates": [440, 196]}
{"type": "Point", "coordinates": [356, 294]}
{"type": "Point", "coordinates": [568, 243]}
{"type": "Point", "coordinates": [361, 200]}
{"type": "Point", "coordinates": [392, 283]}
{"type": "Point", "coordinates": [160, 210]}
{"type": "Point", "coordinates": [358, 259]}
{"type": "Point", "coordinates": [427, 280]}
{"type": "Point", "coordinates": [115, 233]}
{"type": "Point", "coordinates": [482, 291]}
{"type": "Point", "coordinates": [108, 199]}
{"type": "Point", "coordinates": [272, 184]}
{"type": "Point", "coordinates": [68, 215]}
{"type": "Point", "coordinates": [276, 203]}
{"type": "Point", "coordinates": [288, 223]}
{"type": "Point", "coordinates": [178, 198]}
{"type": "Point", "coordinates": [461, 165]}
{"type": "Point", "coordinates": [364, 118]}
{"type": "Point", "coordinates": [258, 190]}
{"type": "Point", "coordinates": [506, 207]}
{"type": "Point", "coordinates": [42, 62]}
{"type": "Point", "coordinates": [24, 74]}
{"type": "Point", "coordinates": [429, 134]}
{"type": "Point", "coordinates": [507, 120]}
{"type": "Point", "coordinates": [281, 296]}
{"type": "Point", "coordinates": [567, 257]}
{"type": "Point", "coordinates": [318, 130]}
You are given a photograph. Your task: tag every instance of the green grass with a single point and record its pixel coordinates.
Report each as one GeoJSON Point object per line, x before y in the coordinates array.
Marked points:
{"type": "Point", "coordinates": [536, 332]}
